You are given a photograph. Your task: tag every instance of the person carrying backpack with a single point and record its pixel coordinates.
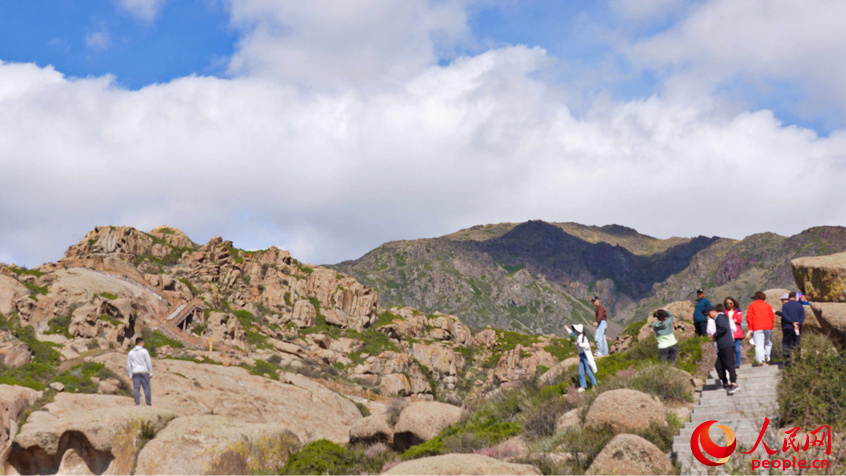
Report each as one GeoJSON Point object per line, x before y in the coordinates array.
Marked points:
{"type": "Point", "coordinates": [587, 366]}
{"type": "Point", "coordinates": [666, 339]}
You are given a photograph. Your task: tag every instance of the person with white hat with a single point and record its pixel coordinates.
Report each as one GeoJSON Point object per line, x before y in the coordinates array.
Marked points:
{"type": "Point", "coordinates": [586, 363]}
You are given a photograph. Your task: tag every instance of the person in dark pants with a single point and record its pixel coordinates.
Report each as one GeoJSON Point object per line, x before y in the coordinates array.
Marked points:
{"type": "Point", "coordinates": [725, 349]}
{"type": "Point", "coordinates": [792, 318]}
{"type": "Point", "coordinates": [700, 317]}
{"type": "Point", "coordinates": [666, 339]}
{"type": "Point", "coordinates": [140, 370]}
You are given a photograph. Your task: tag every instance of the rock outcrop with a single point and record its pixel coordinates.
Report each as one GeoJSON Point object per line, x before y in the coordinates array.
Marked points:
{"type": "Point", "coordinates": [84, 434]}
{"type": "Point", "coordinates": [626, 410]}
{"type": "Point", "coordinates": [823, 280]}
{"type": "Point", "coordinates": [372, 429]}
{"type": "Point", "coordinates": [453, 464]}
{"type": "Point", "coordinates": [209, 444]}
{"type": "Point", "coordinates": [13, 352]}
{"type": "Point", "coordinates": [422, 421]}
{"type": "Point", "coordinates": [630, 454]}
{"type": "Point", "coordinates": [14, 401]}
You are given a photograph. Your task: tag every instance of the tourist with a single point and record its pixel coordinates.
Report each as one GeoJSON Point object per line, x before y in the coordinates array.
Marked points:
{"type": "Point", "coordinates": [140, 370]}
{"type": "Point", "coordinates": [760, 319]}
{"type": "Point", "coordinates": [792, 318]}
{"type": "Point", "coordinates": [666, 339]}
{"type": "Point", "coordinates": [601, 325]}
{"type": "Point", "coordinates": [733, 313]}
{"type": "Point", "coordinates": [700, 317]}
{"type": "Point", "coordinates": [724, 338]}
{"type": "Point", "coordinates": [586, 362]}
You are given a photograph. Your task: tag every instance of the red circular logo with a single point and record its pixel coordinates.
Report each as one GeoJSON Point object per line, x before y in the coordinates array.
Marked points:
{"type": "Point", "coordinates": [700, 437]}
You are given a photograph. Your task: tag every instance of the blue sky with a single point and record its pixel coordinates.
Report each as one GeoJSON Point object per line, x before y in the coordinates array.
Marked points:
{"type": "Point", "coordinates": [328, 127]}
{"type": "Point", "coordinates": [100, 37]}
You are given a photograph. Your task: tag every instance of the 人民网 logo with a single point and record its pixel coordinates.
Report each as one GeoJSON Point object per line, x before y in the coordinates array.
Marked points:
{"type": "Point", "coordinates": [700, 437]}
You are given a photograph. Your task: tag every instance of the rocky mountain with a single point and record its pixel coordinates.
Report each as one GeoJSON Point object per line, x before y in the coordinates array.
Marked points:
{"type": "Point", "coordinates": [534, 276]}
{"type": "Point", "coordinates": [264, 364]}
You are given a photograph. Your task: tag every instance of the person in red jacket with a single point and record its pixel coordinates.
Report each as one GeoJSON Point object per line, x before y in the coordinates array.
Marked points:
{"type": "Point", "coordinates": [760, 318]}
{"type": "Point", "coordinates": [733, 313]}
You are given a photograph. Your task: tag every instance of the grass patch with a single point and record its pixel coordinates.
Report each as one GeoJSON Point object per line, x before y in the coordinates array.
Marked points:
{"type": "Point", "coordinates": [154, 340]}
{"type": "Point", "coordinates": [59, 326]}
{"type": "Point", "coordinates": [109, 296]}
{"type": "Point", "coordinates": [633, 329]}
{"type": "Point", "coordinates": [194, 291]}
{"type": "Point", "coordinates": [78, 378]}
{"type": "Point", "coordinates": [325, 457]}
{"type": "Point", "coordinates": [812, 390]}
{"type": "Point", "coordinates": [263, 368]}
{"type": "Point", "coordinates": [29, 272]}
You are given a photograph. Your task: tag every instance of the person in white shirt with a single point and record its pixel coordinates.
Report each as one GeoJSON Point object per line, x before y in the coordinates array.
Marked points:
{"type": "Point", "coordinates": [140, 370]}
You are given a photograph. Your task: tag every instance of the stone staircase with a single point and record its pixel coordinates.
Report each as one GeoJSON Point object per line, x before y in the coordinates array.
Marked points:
{"type": "Point", "coordinates": [743, 412]}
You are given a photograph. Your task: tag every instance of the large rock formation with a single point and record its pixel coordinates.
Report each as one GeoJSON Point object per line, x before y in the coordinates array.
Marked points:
{"type": "Point", "coordinates": [311, 412]}
{"type": "Point", "coordinates": [630, 454]}
{"type": "Point", "coordinates": [14, 401]}
{"type": "Point", "coordinates": [823, 280]}
{"type": "Point", "coordinates": [13, 352]}
{"type": "Point", "coordinates": [84, 434]}
{"type": "Point", "coordinates": [626, 410]}
{"type": "Point", "coordinates": [208, 444]}
{"type": "Point", "coordinates": [452, 464]}
{"type": "Point", "coordinates": [422, 421]}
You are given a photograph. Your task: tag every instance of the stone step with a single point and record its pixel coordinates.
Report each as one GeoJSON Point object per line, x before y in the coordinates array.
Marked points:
{"type": "Point", "coordinates": [722, 395]}
{"type": "Point", "coordinates": [752, 383]}
{"type": "Point", "coordinates": [737, 405]}
{"type": "Point", "coordinates": [696, 418]}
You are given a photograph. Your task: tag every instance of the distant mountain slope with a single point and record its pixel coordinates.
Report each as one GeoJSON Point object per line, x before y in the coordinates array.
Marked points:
{"type": "Point", "coordinates": [534, 276]}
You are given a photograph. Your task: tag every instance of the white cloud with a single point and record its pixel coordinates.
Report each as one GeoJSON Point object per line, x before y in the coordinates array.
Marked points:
{"type": "Point", "coordinates": [98, 40]}
{"type": "Point", "coordinates": [398, 148]}
{"type": "Point", "coordinates": [146, 10]}
{"type": "Point", "coordinates": [756, 41]}
{"type": "Point", "coordinates": [644, 10]}
{"type": "Point", "coordinates": [341, 43]}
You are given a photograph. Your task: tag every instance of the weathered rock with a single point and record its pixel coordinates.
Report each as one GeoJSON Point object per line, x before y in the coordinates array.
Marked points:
{"type": "Point", "coordinates": [554, 372]}
{"type": "Point", "coordinates": [173, 236]}
{"type": "Point", "coordinates": [486, 338]}
{"type": "Point", "coordinates": [438, 357]}
{"type": "Point", "coordinates": [304, 313]}
{"type": "Point", "coordinates": [211, 444]}
{"type": "Point", "coordinates": [821, 278]}
{"type": "Point", "coordinates": [109, 386]}
{"type": "Point", "coordinates": [395, 385]}
{"type": "Point", "coordinates": [10, 292]}
{"type": "Point", "coordinates": [630, 454]}
{"type": "Point", "coordinates": [311, 411]}
{"type": "Point", "coordinates": [832, 318]}
{"type": "Point", "coordinates": [625, 410]}
{"type": "Point", "coordinates": [372, 429]}
{"type": "Point", "coordinates": [453, 464]}
{"type": "Point", "coordinates": [13, 352]}
{"type": "Point", "coordinates": [422, 421]}
{"type": "Point", "coordinates": [567, 420]}
{"type": "Point", "coordinates": [225, 329]}
{"type": "Point", "coordinates": [105, 432]}
{"type": "Point", "coordinates": [14, 401]}
{"type": "Point", "coordinates": [57, 386]}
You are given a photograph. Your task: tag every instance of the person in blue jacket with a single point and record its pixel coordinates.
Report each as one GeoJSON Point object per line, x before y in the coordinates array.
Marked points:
{"type": "Point", "coordinates": [700, 317]}
{"type": "Point", "coordinates": [792, 317]}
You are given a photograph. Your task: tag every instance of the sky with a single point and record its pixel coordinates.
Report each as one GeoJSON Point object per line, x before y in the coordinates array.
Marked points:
{"type": "Point", "coordinates": [329, 127]}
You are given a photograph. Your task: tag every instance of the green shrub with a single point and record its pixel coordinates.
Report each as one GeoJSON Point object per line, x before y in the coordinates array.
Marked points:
{"type": "Point", "coordinates": [659, 380]}
{"type": "Point", "coordinates": [561, 349]}
{"type": "Point", "coordinates": [320, 457]}
{"type": "Point", "coordinates": [812, 390]}
{"type": "Point", "coordinates": [540, 421]}
{"type": "Point", "coordinates": [633, 329]}
{"type": "Point", "coordinates": [59, 325]}
{"type": "Point", "coordinates": [109, 296]}
{"type": "Point", "coordinates": [263, 367]}
{"type": "Point", "coordinates": [433, 447]}
{"type": "Point", "coordinates": [662, 435]}
{"type": "Point", "coordinates": [194, 291]}
{"type": "Point", "coordinates": [690, 353]}
{"type": "Point", "coordinates": [584, 444]}
{"type": "Point", "coordinates": [155, 339]}
{"type": "Point", "coordinates": [31, 272]}
{"type": "Point", "coordinates": [78, 378]}
{"type": "Point", "coordinates": [200, 328]}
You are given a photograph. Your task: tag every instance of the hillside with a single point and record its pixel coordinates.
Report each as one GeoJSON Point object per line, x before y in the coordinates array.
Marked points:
{"type": "Point", "coordinates": [534, 276]}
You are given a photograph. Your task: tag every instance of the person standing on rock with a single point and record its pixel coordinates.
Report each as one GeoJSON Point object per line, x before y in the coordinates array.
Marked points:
{"type": "Point", "coordinates": [700, 317]}
{"type": "Point", "coordinates": [760, 319]}
{"type": "Point", "coordinates": [666, 339]}
{"type": "Point", "coordinates": [586, 362]}
{"type": "Point", "coordinates": [601, 325]}
{"type": "Point", "coordinates": [140, 370]}
{"type": "Point", "coordinates": [724, 338]}
{"type": "Point", "coordinates": [792, 318]}
{"type": "Point", "coordinates": [733, 313]}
